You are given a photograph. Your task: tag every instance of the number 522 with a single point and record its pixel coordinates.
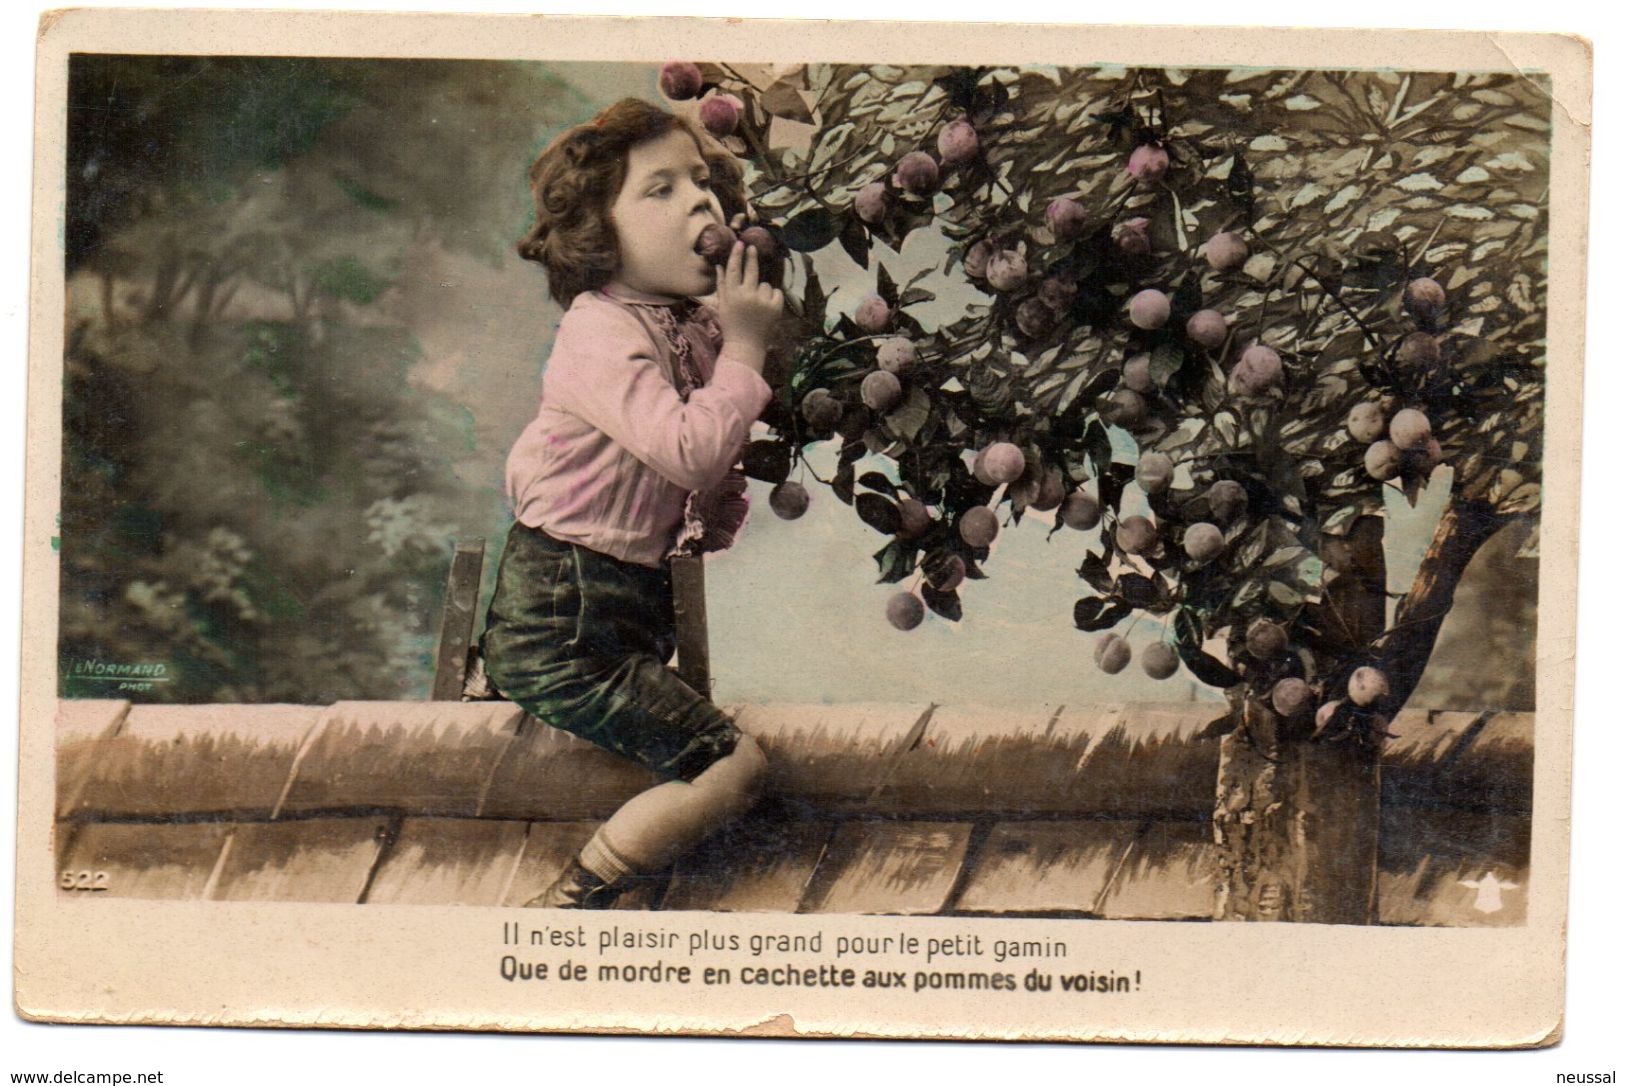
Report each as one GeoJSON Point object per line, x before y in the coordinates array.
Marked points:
{"type": "Point", "coordinates": [83, 880]}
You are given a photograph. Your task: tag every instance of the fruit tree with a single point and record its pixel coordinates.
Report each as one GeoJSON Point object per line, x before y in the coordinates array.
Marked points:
{"type": "Point", "coordinates": [1220, 314]}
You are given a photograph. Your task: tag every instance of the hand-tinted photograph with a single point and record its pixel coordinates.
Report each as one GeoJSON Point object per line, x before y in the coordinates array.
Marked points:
{"type": "Point", "coordinates": [1108, 493]}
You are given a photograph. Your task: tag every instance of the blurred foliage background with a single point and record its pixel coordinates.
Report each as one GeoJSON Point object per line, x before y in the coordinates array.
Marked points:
{"type": "Point", "coordinates": [268, 449]}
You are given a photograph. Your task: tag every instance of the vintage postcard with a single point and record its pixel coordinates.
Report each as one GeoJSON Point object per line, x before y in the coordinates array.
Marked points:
{"type": "Point", "coordinates": [802, 529]}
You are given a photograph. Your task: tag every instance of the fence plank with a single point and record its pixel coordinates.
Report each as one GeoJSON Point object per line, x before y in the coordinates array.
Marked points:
{"type": "Point", "coordinates": [457, 620]}
{"type": "Point", "coordinates": [1150, 764]}
{"type": "Point", "coordinates": [323, 859]}
{"type": "Point", "coordinates": [983, 760]}
{"type": "Point", "coordinates": [547, 773]}
{"type": "Point", "coordinates": [693, 638]}
{"type": "Point", "coordinates": [549, 848]}
{"type": "Point", "coordinates": [1046, 867]}
{"type": "Point", "coordinates": [1170, 874]}
{"type": "Point", "coordinates": [758, 864]}
{"type": "Point", "coordinates": [834, 757]}
{"type": "Point", "coordinates": [1422, 743]}
{"type": "Point", "coordinates": [145, 860]}
{"type": "Point", "coordinates": [1494, 770]}
{"type": "Point", "coordinates": [1453, 868]}
{"type": "Point", "coordinates": [449, 861]}
{"type": "Point", "coordinates": [421, 758]}
{"type": "Point", "coordinates": [83, 727]}
{"type": "Point", "coordinates": [197, 759]}
{"type": "Point", "coordinates": [901, 868]}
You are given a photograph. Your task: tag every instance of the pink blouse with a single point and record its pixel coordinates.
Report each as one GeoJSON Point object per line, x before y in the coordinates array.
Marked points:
{"type": "Point", "coordinates": [614, 451]}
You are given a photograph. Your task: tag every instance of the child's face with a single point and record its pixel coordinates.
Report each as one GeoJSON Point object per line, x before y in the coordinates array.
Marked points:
{"type": "Point", "coordinates": [664, 203]}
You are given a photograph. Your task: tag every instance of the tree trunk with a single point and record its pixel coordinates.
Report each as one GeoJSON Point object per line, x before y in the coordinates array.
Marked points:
{"type": "Point", "coordinates": [1296, 827]}
{"type": "Point", "coordinates": [163, 283]}
{"type": "Point", "coordinates": [202, 306]}
{"type": "Point", "coordinates": [109, 315]}
{"type": "Point", "coordinates": [215, 286]}
{"type": "Point", "coordinates": [1465, 527]}
{"type": "Point", "coordinates": [1296, 821]}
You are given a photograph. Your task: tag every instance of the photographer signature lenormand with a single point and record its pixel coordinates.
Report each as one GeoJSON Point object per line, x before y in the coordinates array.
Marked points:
{"type": "Point", "coordinates": [107, 676]}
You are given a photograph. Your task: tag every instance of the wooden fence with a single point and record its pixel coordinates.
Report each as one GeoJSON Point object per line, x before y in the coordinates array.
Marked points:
{"type": "Point", "coordinates": [915, 809]}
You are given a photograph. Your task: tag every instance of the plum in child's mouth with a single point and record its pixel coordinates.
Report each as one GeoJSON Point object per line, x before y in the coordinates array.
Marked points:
{"type": "Point", "coordinates": [715, 243]}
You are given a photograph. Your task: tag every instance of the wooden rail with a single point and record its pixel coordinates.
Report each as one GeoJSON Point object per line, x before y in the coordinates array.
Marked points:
{"type": "Point", "coordinates": [488, 759]}
{"type": "Point", "coordinates": [1085, 812]}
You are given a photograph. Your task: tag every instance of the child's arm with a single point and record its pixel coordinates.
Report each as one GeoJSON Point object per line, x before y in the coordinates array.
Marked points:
{"type": "Point", "coordinates": [604, 371]}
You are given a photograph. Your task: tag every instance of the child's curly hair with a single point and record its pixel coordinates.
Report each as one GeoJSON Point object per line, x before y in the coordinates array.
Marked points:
{"type": "Point", "coordinates": [576, 179]}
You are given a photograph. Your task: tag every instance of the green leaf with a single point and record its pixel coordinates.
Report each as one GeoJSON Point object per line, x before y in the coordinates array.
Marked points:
{"type": "Point", "coordinates": [1166, 360]}
{"type": "Point", "coordinates": [1188, 642]}
{"type": "Point", "coordinates": [854, 238]}
{"type": "Point", "coordinates": [1218, 727]}
{"type": "Point", "coordinates": [782, 99]}
{"type": "Point", "coordinates": [768, 460]}
{"type": "Point", "coordinates": [842, 483]}
{"type": "Point", "coordinates": [1524, 500]}
{"type": "Point", "coordinates": [874, 480]}
{"type": "Point", "coordinates": [1246, 594]}
{"type": "Point", "coordinates": [1251, 549]}
{"type": "Point", "coordinates": [1098, 443]}
{"type": "Point", "coordinates": [1285, 596]}
{"type": "Point", "coordinates": [945, 604]}
{"type": "Point", "coordinates": [1095, 570]}
{"type": "Point", "coordinates": [811, 230]}
{"type": "Point", "coordinates": [896, 561]}
{"type": "Point", "coordinates": [1136, 590]}
{"type": "Point", "coordinates": [878, 513]}
{"type": "Point", "coordinates": [906, 420]}
{"type": "Point", "coordinates": [1285, 555]}
{"type": "Point", "coordinates": [885, 287]}
{"type": "Point", "coordinates": [1092, 613]}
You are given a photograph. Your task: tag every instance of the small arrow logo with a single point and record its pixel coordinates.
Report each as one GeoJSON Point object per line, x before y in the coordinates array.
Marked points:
{"type": "Point", "coordinates": [1489, 891]}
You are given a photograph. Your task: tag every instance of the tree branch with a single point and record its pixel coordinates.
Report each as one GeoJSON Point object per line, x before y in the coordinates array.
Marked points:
{"type": "Point", "coordinates": [1464, 528]}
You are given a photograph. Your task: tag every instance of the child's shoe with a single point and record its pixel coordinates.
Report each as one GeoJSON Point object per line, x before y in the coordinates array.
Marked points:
{"type": "Point", "coordinates": [576, 888]}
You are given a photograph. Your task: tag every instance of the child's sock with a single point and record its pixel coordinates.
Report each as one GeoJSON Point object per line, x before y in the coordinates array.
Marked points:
{"type": "Point", "coordinates": [604, 860]}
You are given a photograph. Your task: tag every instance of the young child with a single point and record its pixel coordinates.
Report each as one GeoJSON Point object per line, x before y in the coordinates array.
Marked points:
{"type": "Point", "coordinates": [646, 404]}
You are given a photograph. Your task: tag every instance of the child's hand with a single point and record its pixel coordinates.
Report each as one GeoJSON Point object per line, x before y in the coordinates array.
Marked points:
{"type": "Point", "coordinates": [747, 308]}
